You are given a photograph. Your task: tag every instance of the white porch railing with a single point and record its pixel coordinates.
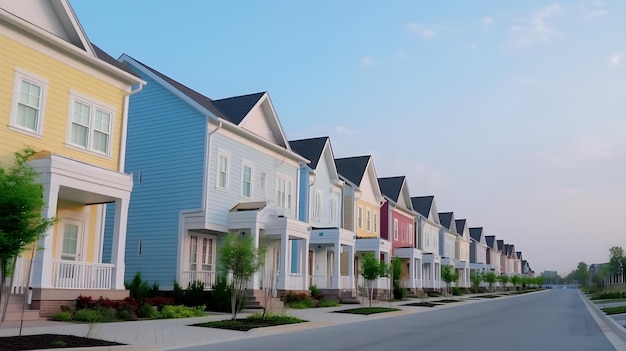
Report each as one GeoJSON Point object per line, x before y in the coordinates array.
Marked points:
{"type": "Point", "coordinates": [346, 282]}
{"type": "Point", "coordinates": [81, 275]}
{"type": "Point", "coordinates": [20, 276]}
{"type": "Point", "coordinates": [411, 283]}
{"type": "Point", "coordinates": [206, 277]}
{"type": "Point", "coordinates": [292, 281]}
{"type": "Point", "coordinates": [320, 281]}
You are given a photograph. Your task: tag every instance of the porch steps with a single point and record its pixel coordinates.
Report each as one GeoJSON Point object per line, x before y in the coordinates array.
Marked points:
{"type": "Point", "coordinates": [255, 299]}
{"type": "Point", "coordinates": [347, 297]}
{"type": "Point", "coordinates": [14, 310]}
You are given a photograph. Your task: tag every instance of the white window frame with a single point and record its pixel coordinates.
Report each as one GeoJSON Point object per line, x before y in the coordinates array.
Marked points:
{"type": "Point", "coordinates": [359, 217]}
{"type": "Point", "coordinates": [368, 220]}
{"type": "Point", "coordinates": [94, 106]}
{"type": "Point", "coordinates": [334, 204]}
{"type": "Point", "coordinates": [219, 171]}
{"type": "Point", "coordinates": [245, 165]}
{"type": "Point", "coordinates": [395, 229]}
{"type": "Point", "coordinates": [202, 257]}
{"type": "Point", "coordinates": [375, 221]}
{"type": "Point", "coordinates": [411, 233]}
{"type": "Point", "coordinates": [317, 205]}
{"type": "Point", "coordinates": [284, 196]}
{"type": "Point", "coordinates": [21, 76]}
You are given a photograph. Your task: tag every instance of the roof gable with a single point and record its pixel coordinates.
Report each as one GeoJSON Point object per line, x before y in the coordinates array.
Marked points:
{"type": "Point", "coordinates": [353, 168]}
{"type": "Point", "coordinates": [491, 241]}
{"type": "Point", "coordinates": [519, 255]}
{"type": "Point", "coordinates": [447, 220]}
{"type": "Point", "coordinates": [53, 16]}
{"type": "Point", "coordinates": [476, 233]}
{"type": "Point", "coordinates": [310, 149]}
{"type": "Point", "coordinates": [501, 246]}
{"type": "Point", "coordinates": [461, 228]}
{"type": "Point", "coordinates": [396, 189]}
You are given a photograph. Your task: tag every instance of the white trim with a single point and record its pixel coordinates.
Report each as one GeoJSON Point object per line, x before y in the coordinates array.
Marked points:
{"type": "Point", "coordinates": [359, 217]}
{"type": "Point", "coordinates": [396, 229]}
{"type": "Point", "coordinates": [221, 154]}
{"type": "Point", "coordinates": [247, 164]}
{"type": "Point", "coordinates": [94, 105]}
{"type": "Point", "coordinates": [318, 199]}
{"type": "Point", "coordinates": [289, 195]}
{"type": "Point", "coordinates": [19, 77]}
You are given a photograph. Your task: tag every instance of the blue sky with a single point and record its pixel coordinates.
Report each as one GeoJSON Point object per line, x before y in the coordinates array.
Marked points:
{"type": "Point", "coordinates": [513, 114]}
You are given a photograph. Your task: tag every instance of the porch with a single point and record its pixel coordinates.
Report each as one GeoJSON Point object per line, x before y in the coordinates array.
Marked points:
{"type": "Point", "coordinates": [431, 271]}
{"type": "Point", "coordinates": [412, 267]}
{"type": "Point", "coordinates": [331, 259]}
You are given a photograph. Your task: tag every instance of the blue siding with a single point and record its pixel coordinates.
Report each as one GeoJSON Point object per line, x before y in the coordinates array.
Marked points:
{"type": "Point", "coordinates": [303, 209]}
{"type": "Point", "coordinates": [165, 153]}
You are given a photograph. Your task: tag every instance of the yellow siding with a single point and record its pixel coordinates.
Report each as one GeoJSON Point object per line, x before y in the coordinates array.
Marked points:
{"type": "Point", "coordinates": [62, 78]}
{"type": "Point", "coordinates": [363, 233]}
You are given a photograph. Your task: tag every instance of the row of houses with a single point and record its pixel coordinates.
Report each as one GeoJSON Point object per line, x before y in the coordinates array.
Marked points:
{"type": "Point", "coordinates": [145, 174]}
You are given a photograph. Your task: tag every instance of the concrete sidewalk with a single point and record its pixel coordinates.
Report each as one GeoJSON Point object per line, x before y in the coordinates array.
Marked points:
{"type": "Point", "coordinates": [167, 334]}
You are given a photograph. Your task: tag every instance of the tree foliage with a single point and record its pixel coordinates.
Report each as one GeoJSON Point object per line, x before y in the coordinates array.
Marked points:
{"type": "Point", "coordinates": [372, 269]}
{"type": "Point", "coordinates": [449, 275]}
{"type": "Point", "coordinates": [21, 205]}
{"type": "Point", "coordinates": [476, 277]}
{"type": "Point", "coordinates": [239, 258]}
{"type": "Point", "coordinates": [616, 259]}
{"type": "Point", "coordinates": [491, 278]}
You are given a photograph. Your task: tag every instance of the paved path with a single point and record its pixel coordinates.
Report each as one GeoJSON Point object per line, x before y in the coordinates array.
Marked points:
{"type": "Point", "coordinates": [176, 333]}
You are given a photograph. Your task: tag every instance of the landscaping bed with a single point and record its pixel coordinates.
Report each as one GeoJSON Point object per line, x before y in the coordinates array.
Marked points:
{"type": "Point", "coordinates": [368, 310]}
{"type": "Point", "coordinates": [446, 301]}
{"type": "Point", "coordinates": [49, 341]}
{"type": "Point", "coordinates": [251, 322]}
{"type": "Point", "coordinates": [614, 310]}
{"type": "Point", "coordinates": [422, 304]}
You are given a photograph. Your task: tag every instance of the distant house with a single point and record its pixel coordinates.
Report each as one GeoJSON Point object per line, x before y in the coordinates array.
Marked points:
{"type": "Point", "coordinates": [428, 228]}
{"type": "Point", "coordinates": [478, 250]}
{"type": "Point", "coordinates": [66, 99]}
{"type": "Point", "coordinates": [462, 253]}
{"type": "Point", "coordinates": [493, 254]}
{"type": "Point", "coordinates": [447, 238]}
{"type": "Point", "coordinates": [331, 247]}
{"type": "Point", "coordinates": [398, 226]}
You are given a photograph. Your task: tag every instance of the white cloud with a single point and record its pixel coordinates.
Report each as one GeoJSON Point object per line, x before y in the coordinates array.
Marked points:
{"type": "Point", "coordinates": [473, 46]}
{"type": "Point", "coordinates": [424, 31]}
{"type": "Point", "coordinates": [616, 59]}
{"type": "Point", "coordinates": [366, 61]}
{"type": "Point", "coordinates": [485, 22]}
{"type": "Point", "coordinates": [583, 149]}
{"type": "Point", "coordinates": [594, 12]}
{"type": "Point", "coordinates": [535, 29]}
{"type": "Point", "coordinates": [341, 130]}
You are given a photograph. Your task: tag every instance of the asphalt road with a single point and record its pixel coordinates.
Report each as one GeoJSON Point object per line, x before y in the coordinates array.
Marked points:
{"type": "Point", "coordinates": [553, 320]}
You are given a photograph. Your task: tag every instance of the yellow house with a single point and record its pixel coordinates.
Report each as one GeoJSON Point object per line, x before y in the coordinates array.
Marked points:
{"type": "Point", "coordinates": [68, 100]}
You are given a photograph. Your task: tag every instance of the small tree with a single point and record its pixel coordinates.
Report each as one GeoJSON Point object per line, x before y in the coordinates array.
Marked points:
{"type": "Point", "coordinates": [21, 204]}
{"type": "Point", "coordinates": [241, 259]}
{"type": "Point", "coordinates": [398, 292]}
{"type": "Point", "coordinates": [448, 275]}
{"type": "Point", "coordinates": [616, 259]}
{"type": "Point", "coordinates": [516, 280]}
{"type": "Point", "coordinates": [503, 278]}
{"type": "Point", "coordinates": [476, 277]}
{"type": "Point", "coordinates": [491, 278]}
{"type": "Point", "coordinates": [371, 268]}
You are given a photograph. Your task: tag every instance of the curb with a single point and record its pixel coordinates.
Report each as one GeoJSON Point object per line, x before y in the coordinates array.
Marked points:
{"type": "Point", "coordinates": [618, 330]}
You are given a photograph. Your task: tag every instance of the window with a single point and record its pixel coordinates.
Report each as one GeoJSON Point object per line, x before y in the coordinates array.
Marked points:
{"type": "Point", "coordinates": [246, 181]}
{"type": "Point", "coordinates": [411, 234]}
{"type": "Point", "coordinates": [29, 95]}
{"type": "Point", "coordinates": [375, 222]}
{"type": "Point", "coordinates": [201, 253]}
{"type": "Point", "coordinates": [368, 220]}
{"type": "Point", "coordinates": [90, 126]}
{"type": "Point", "coordinates": [359, 217]}
{"type": "Point", "coordinates": [333, 210]}
{"type": "Point", "coordinates": [395, 229]}
{"type": "Point", "coordinates": [223, 165]}
{"type": "Point", "coordinates": [283, 193]}
{"type": "Point", "coordinates": [317, 205]}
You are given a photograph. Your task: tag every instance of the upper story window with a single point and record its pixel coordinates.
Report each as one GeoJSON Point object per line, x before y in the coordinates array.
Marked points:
{"type": "Point", "coordinates": [27, 109]}
{"type": "Point", "coordinates": [284, 192]}
{"type": "Point", "coordinates": [246, 181]}
{"type": "Point", "coordinates": [368, 220]}
{"type": "Point", "coordinates": [411, 234]}
{"type": "Point", "coordinates": [395, 229]}
{"type": "Point", "coordinates": [223, 167]}
{"type": "Point", "coordinates": [375, 221]}
{"type": "Point", "coordinates": [317, 205]}
{"type": "Point", "coordinates": [359, 217]}
{"type": "Point", "coordinates": [333, 210]}
{"type": "Point", "coordinates": [91, 125]}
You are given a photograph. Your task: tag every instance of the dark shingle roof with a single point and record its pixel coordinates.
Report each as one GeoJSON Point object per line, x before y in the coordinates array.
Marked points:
{"type": "Point", "coordinates": [445, 218]}
{"type": "Point", "coordinates": [422, 204]}
{"type": "Point", "coordinates": [352, 168]}
{"type": "Point", "coordinates": [501, 246]}
{"type": "Point", "coordinates": [460, 225]}
{"type": "Point", "coordinates": [490, 239]}
{"type": "Point", "coordinates": [310, 149]}
{"type": "Point", "coordinates": [519, 255]}
{"type": "Point", "coordinates": [237, 107]}
{"type": "Point", "coordinates": [102, 55]}
{"type": "Point", "coordinates": [476, 233]}
{"type": "Point", "coordinates": [391, 186]}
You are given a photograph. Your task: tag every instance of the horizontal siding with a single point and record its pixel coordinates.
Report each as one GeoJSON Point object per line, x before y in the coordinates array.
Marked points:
{"type": "Point", "coordinates": [165, 154]}
{"type": "Point", "coordinates": [303, 194]}
{"type": "Point", "coordinates": [61, 77]}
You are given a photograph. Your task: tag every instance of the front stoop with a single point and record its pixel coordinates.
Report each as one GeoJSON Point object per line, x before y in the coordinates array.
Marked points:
{"type": "Point", "coordinates": [14, 310]}
{"type": "Point", "coordinates": [256, 299]}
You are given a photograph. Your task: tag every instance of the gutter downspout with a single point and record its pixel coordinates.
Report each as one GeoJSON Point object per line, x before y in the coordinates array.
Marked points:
{"type": "Point", "coordinates": [122, 161]}
{"type": "Point", "coordinates": [205, 199]}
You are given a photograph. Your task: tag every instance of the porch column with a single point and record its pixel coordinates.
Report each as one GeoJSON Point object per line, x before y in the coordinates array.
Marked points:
{"type": "Point", "coordinates": [336, 265]}
{"type": "Point", "coordinates": [118, 245]}
{"type": "Point", "coordinates": [304, 260]}
{"type": "Point", "coordinates": [412, 273]}
{"type": "Point", "coordinates": [284, 262]}
{"type": "Point", "coordinates": [350, 267]}
{"type": "Point", "coordinates": [254, 282]}
{"type": "Point", "coordinates": [42, 264]}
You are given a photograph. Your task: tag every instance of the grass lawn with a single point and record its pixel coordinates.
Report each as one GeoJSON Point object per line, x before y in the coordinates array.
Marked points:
{"type": "Point", "coordinates": [422, 304]}
{"type": "Point", "coordinates": [614, 310]}
{"type": "Point", "coordinates": [600, 302]}
{"type": "Point", "coordinates": [251, 322]}
{"type": "Point", "coordinates": [369, 310]}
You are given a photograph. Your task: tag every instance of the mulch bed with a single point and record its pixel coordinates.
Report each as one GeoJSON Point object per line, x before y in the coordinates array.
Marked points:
{"type": "Point", "coordinates": [49, 341]}
{"type": "Point", "coordinates": [422, 304]}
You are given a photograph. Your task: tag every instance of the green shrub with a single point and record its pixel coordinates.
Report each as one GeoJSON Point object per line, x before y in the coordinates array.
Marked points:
{"type": "Point", "coordinates": [456, 291]}
{"type": "Point", "coordinates": [62, 316]}
{"type": "Point", "coordinates": [127, 315]}
{"type": "Point", "coordinates": [433, 294]}
{"type": "Point", "coordinates": [178, 294]}
{"type": "Point", "coordinates": [147, 311]}
{"type": "Point", "coordinates": [181, 311]}
{"type": "Point", "coordinates": [219, 297]}
{"type": "Point", "coordinates": [328, 303]}
{"type": "Point", "coordinates": [609, 295]}
{"type": "Point", "coordinates": [302, 304]}
{"type": "Point", "coordinates": [194, 294]}
{"type": "Point", "coordinates": [100, 315]}
{"type": "Point", "coordinates": [138, 288]}
{"type": "Point", "coordinates": [398, 292]}
{"type": "Point", "coordinates": [291, 297]}
{"type": "Point", "coordinates": [315, 293]}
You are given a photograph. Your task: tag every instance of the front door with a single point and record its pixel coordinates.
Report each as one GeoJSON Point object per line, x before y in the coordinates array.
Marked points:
{"type": "Point", "coordinates": [201, 260]}
{"type": "Point", "coordinates": [71, 250]}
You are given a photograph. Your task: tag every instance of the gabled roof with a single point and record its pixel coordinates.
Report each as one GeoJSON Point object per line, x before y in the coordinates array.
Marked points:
{"type": "Point", "coordinates": [476, 233]}
{"type": "Point", "coordinates": [353, 168]}
{"type": "Point", "coordinates": [422, 204]}
{"type": "Point", "coordinates": [445, 218]}
{"type": "Point", "coordinates": [501, 246]}
{"type": "Point", "coordinates": [391, 187]}
{"type": "Point", "coordinates": [310, 149]}
{"type": "Point", "coordinates": [491, 240]}
{"type": "Point", "coordinates": [460, 225]}
{"type": "Point", "coordinates": [519, 255]}
{"type": "Point", "coordinates": [236, 108]}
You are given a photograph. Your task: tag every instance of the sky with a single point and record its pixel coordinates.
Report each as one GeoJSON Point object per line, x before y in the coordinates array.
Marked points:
{"type": "Point", "coordinates": [513, 114]}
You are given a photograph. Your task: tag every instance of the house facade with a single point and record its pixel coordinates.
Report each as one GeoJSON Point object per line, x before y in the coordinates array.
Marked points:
{"type": "Point", "coordinates": [330, 265]}
{"type": "Point", "coordinates": [462, 253]}
{"type": "Point", "coordinates": [67, 100]}
{"type": "Point", "coordinates": [398, 226]}
{"type": "Point", "coordinates": [428, 228]}
{"type": "Point", "coordinates": [205, 168]}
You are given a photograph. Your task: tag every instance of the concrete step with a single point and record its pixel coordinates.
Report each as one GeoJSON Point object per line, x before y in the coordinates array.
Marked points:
{"type": "Point", "coordinates": [29, 315]}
